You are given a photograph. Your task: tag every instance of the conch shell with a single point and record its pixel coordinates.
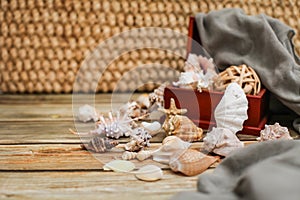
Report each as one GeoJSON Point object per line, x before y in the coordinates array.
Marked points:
{"type": "Point", "coordinates": [221, 141]}
{"type": "Point", "coordinates": [179, 125]}
{"type": "Point", "coordinates": [170, 145]}
{"type": "Point", "coordinates": [274, 132]}
{"type": "Point", "coordinates": [231, 112]}
{"type": "Point", "coordinates": [191, 162]}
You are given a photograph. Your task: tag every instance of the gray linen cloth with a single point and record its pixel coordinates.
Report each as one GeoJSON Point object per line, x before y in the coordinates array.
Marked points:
{"type": "Point", "coordinates": [263, 171]}
{"type": "Point", "coordinates": [264, 43]}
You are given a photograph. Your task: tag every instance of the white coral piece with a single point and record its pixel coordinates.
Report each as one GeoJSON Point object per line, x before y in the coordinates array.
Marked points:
{"type": "Point", "coordinates": [194, 72]}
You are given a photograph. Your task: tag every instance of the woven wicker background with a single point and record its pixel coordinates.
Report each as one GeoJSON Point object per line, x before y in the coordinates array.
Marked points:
{"type": "Point", "coordinates": [43, 43]}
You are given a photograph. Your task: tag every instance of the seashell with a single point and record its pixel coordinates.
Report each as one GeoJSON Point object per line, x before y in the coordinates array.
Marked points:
{"type": "Point", "coordinates": [119, 166]}
{"type": "Point", "coordinates": [157, 96]}
{"type": "Point", "coordinates": [231, 112]}
{"type": "Point", "coordinates": [128, 155]}
{"type": "Point", "coordinates": [131, 109]}
{"type": "Point", "coordinates": [151, 127]}
{"type": "Point", "coordinates": [170, 145]}
{"type": "Point", "coordinates": [143, 155]}
{"type": "Point", "coordinates": [181, 126]}
{"type": "Point", "coordinates": [221, 141]}
{"type": "Point", "coordinates": [274, 132]}
{"type": "Point", "coordinates": [149, 173]}
{"type": "Point", "coordinates": [191, 162]}
{"type": "Point", "coordinates": [115, 126]}
{"type": "Point", "coordinates": [143, 101]}
{"type": "Point", "coordinates": [87, 113]}
{"type": "Point", "coordinates": [140, 138]}
{"type": "Point", "coordinates": [100, 145]}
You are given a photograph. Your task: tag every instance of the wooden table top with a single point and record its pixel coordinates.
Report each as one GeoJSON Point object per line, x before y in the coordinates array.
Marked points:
{"type": "Point", "coordinates": [40, 159]}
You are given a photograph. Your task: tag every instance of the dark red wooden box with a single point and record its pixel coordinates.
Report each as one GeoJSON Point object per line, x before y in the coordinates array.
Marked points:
{"type": "Point", "coordinates": [201, 106]}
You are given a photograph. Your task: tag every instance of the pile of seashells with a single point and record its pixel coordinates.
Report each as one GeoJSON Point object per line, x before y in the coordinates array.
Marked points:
{"type": "Point", "coordinates": [176, 150]}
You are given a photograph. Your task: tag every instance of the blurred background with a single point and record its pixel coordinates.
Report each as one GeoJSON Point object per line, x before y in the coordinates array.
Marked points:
{"type": "Point", "coordinates": [43, 43]}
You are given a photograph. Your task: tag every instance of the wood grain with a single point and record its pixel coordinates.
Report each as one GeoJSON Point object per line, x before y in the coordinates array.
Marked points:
{"type": "Point", "coordinates": [49, 132]}
{"type": "Point", "coordinates": [90, 185]}
{"type": "Point", "coordinates": [40, 159]}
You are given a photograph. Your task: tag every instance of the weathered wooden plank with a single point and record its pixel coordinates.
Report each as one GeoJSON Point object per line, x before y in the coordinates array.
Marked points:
{"type": "Point", "coordinates": [65, 157]}
{"type": "Point", "coordinates": [90, 185]}
{"type": "Point", "coordinates": [58, 157]}
{"type": "Point", "coordinates": [44, 112]}
{"type": "Point", "coordinates": [46, 132]}
{"type": "Point", "coordinates": [65, 98]}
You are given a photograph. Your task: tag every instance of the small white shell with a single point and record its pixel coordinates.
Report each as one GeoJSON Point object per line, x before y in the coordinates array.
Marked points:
{"type": "Point", "coordinates": [143, 101]}
{"type": "Point", "coordinates": [87, 113]}
{"type": "Point", "coordinates": [128, 155]}
{"type": "Point", "coordinates": [152, 127]}
{"type": "Point", "coordinates": [119, 166]}
{"type": "Point", "coordinates": [149, 173]}
{"type": "Point", "coordinates": [231, 112]}
{"type": "Point", "coordinates": [143, 155]}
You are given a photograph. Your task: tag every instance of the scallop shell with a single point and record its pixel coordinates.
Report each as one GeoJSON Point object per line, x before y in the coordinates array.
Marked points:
{"type": "Point", "coordinates": [149, 173]}
{"type": "Point", "coordinates": [274, 132]}
{"type": "Point", "coordinates": [119, 166]}
{"type": "Point", "coordinates": [191, 162]}
{"type": "Point", "coordinates": [100, 145]}
{"type": "Point", "coordinates": [231, 112]}
{"type": "Point", "coordinates": [221, 141]}
{"type": "Point", "coordinates": [170, 145]}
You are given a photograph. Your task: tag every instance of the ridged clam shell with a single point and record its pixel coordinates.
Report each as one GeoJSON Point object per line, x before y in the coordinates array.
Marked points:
{"type": "Point", "coordinates": [191, 162]}
{"type": "Point", "coordinates": [231, 112]}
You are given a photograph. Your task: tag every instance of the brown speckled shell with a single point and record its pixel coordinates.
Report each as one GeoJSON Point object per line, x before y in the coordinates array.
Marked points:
{"type": "Point", "coordinates": [191, 162]}
{"type": "Point", "coordinates": [183, 127]}
{"type": "Point", "coordinates": [100, 145]}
